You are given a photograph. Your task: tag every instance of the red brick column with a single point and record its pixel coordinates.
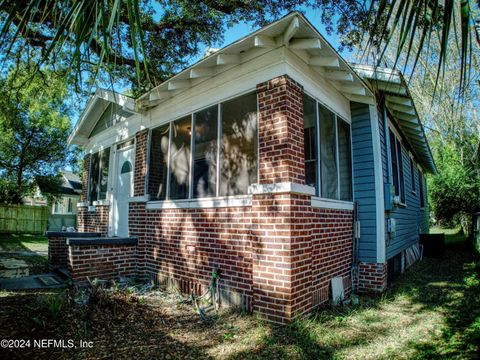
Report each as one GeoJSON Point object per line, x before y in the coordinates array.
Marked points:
{"type": "Point", "coordinates": [281, 211]}
{"type": "Point", "coordinates": [372, 277]}
{"type": "Point", "coordinates": [139, 179]}
{"type": "Point", "coordinates": [280, 131]}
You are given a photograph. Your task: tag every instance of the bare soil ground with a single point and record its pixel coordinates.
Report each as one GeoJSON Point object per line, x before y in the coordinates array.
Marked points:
{"type": "Point", "coordinates": [431, 312]}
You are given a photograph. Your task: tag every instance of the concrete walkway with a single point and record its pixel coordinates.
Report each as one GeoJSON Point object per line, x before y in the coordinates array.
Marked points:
{"type": "Point", "coordinates": [40, 281]}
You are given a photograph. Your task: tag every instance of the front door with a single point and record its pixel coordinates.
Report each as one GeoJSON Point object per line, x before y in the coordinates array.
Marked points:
{"type": "Point", "coordinates": [123, 191]}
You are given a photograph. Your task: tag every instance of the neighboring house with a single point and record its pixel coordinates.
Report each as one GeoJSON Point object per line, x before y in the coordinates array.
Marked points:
{"type": "Point", "coordinates": [64, 210]}
{"type": "Point", "coordinates": [272, 160]}
{"type": "Point", "coordinates": [70, 194]}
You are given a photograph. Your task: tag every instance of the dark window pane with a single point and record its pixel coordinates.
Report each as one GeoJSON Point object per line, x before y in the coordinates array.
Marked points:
{"type": "Point", "coordinates": [420, 183]}
{"type": "Point", "coordinates": [157, 178]}
{"type": "Point", "coordinates": [94, 175]}
{"type": "Point", "coordinates": [310, 141]}
{"type": "Point", "coordinates": [328, 158]}
{"type": "Point", "coordinates": [393, 161]}
{"type": "Point", "coordinates": [205, 153]}
{"type": "Point", "coordinates": [180, 158]}
{"type": "Point", "coordinates": [104, 163]}
{"type": "Point", "coordinates": [239, 145]}
{"type": "Point", "coordinates": [344, 160]}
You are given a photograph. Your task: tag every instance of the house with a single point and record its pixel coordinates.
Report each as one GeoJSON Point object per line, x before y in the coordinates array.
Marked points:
{"type": "Point", "coordinates": [272, 161]}
{"type": "Point", "coordinates": [64, 210]}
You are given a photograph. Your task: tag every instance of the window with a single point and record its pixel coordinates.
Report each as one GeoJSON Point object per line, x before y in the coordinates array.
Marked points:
{"type": "Point", "coordinates": [396, 160]}
{"type": "Point", "coordinates": [180, 158]}
{"type": "Point", "coordinates": [157, 177]}
{"type": "Point", "coordinates": [176, 172]}
{"type": "Point", "coordinates": [333, 179]}
{"type": "Point", "coordinates": [420, 186]}
{"type": "Point", "coordinates": [328, 158]}
{"type": "Point", "coordinates": [412, 175]}
{"type": "Point", "coordinates": [310, 141]}
{"type": "Point", "coordinates": [205, 153]}
{"type": "Point", "coordinates": [238, 160]}
{"type": "Point", "coordinates": [98, 181]}
{"type": "Point", "coordinates": [344, 160]}
{"type": "Point", "coordinates": [69, 205]}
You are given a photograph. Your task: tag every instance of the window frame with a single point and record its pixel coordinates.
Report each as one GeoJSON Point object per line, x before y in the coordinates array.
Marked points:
{"type": "Point", "coordinates": [218, 155]}
{"type": "Point", "coordinates": [318, 188]}
{"type": "Point", "coordinates": [421, 187]}
{"type": "Point", "coordinates": [400, 166]}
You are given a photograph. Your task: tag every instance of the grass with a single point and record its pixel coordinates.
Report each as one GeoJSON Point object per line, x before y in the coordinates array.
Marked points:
{"type": "Point", "coordinates": [23, 242]}
{"type": "Point", "coordinates": [431, 312]}
{"type": "Point", "coordinates": [13, 245]}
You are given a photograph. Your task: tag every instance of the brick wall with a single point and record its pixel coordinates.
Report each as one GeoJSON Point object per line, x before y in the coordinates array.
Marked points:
{"type": "Point", "coordinates": [57, 252]}
{"type": "Point", "coordinates": [332, 250]}
{"type": "Point", "coordinates": [93, 221]}
{"type": "Point", "coordinates": [372, 277]}
{"type": "Point", "coordinates": [185, 246]}
{"type": "Point", "coordinates": [106, 262]}
{"type": "Point", "coordinates": [141, 148]}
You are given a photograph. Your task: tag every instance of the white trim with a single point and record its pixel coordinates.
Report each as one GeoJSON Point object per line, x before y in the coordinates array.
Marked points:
{"type": "Point", "coordinates": [216, 202]}
{"type": "Point", "coordinates": [285, 187]}
{"type": "Point", "coordinates": [378, 177]}
{"type": "Point", "coordinates": [142, 198]}
{"type": "Point", "coordinates": [331, 204]}
{"type": "Point", "coordinates": [101, 202]}
{"type": "Point", "coordinates": [82, 204]}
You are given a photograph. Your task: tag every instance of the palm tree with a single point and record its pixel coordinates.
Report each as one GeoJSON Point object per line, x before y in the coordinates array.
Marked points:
{"type": "Point", "coordinates": [157, 38]}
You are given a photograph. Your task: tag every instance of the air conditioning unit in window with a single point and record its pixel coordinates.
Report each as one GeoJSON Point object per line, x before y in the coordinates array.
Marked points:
{"type": "Point", "coordinates": [396, 200]}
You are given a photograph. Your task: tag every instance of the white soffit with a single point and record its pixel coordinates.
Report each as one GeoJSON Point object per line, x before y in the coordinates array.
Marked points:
{"type": "Point", "coordinates": [401, 106]}
{"type": "Point", "coordinates": [292, 31]}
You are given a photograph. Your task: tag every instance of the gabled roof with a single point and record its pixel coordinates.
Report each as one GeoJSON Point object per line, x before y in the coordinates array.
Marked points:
{"type": "Point", "coordinates": [72, 185]}
{"type": "Point", "coordinates": [400, 104]}
{"type": "Point", "coordinates": [293, 31]}
{"type": "Point", "coordinates": [96, 105]}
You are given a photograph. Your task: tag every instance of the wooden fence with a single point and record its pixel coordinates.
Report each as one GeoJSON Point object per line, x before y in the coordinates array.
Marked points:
{"type": "Point", "coordinates": [23, 219]}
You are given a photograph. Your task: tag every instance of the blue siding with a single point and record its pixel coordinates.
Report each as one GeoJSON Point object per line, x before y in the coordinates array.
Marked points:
{"type": "Point", "coordinates": [363, 180]}
{"type": "Point", "coordinates": [410, 220]}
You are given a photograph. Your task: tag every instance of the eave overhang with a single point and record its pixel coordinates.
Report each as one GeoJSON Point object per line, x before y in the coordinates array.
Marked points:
{"type": "Point", "coordinates": [401, 106]}
{"type": "Point", "coordinates": [96, 105]}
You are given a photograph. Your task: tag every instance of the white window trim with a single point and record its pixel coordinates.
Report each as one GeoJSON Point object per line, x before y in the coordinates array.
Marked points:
{"type": "Point", "coordinates": [397, 138]}
{"type": "Point", "coordinates": [201, 203]}
{"type": "Point", "coordinates": [323, 203]}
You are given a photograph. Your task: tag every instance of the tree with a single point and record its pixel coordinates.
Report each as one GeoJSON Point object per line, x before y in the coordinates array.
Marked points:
{"type": "Point", "coordinates": [155, 39]}
{"type": "Point", "coordinates": [34, 128]}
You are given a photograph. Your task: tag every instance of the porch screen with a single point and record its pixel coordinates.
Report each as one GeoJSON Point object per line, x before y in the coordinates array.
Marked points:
{"type": "Point", "coordinates": [180, 158]}
{"type": "Point", "coordinates": [328, 157]}
{"type": "Point", "coordinates": [98, 176]}
{"type": "Point", "coordinates": [157, 177]}
{"type": "Point", "coordinates": [205, 153]}
{"type": "Point", "coordinates": [310, 141]}
{"type": "Point", "coordinates": [238, 157]}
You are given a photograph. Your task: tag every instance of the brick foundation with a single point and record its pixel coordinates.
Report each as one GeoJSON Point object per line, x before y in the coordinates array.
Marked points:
{"type": "Point", "coordinates": [58, 249]}
{"type": "Point", "coordinates": [372, 277]}
{"type": "Point", "coordinates": [103, 261]}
